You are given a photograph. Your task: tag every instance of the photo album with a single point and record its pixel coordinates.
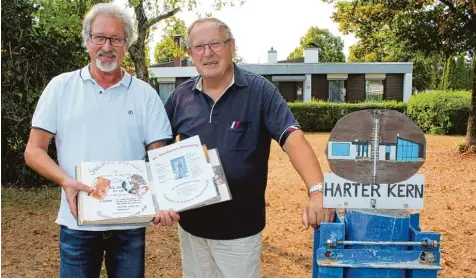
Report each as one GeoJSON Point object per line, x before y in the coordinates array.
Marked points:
{"type": "Point", "coordinates": [180, 176]}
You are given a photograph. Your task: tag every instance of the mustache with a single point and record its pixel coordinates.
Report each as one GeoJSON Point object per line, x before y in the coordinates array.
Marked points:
{"type": "Point", "coordinates": [103, 52]}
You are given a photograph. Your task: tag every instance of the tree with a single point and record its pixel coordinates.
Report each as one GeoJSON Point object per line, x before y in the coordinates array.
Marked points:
{"type": "Point", "coordinates": [237, 58]}
{"type": "Point", "coordinates": [150, 12]}
{"type": "Point", "coordinates": [471, 71]}
{"type": "Point", "coordinates": [330, 46]}
{"type": "Point", "coordinates": [426, 69]}
{"type": "Point", "coordinates": [128, 64]}
{"type": "Point", "coordinates": [447, 81]}
{"type": "Point", "coordinates": [167, 50]}
{"type": "Point", "coordinates": [379, 43]}
{"type": "Point", "coordinates": [460, 76]}
{"type": "Point", "coordinates": [443, 26]}
{"type": "Point", "coordinates": [40, 39]}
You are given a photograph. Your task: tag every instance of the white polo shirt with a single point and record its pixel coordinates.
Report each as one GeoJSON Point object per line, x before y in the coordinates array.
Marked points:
{"type": "Point", "coordinates": [90, 123]}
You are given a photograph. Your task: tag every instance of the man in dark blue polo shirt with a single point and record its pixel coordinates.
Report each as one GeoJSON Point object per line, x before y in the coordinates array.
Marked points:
{"type": "Point", "coordinates": [238, 113]}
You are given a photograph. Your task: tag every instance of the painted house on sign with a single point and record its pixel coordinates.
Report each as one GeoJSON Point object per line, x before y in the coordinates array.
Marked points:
{"type": "Point", "coordinates": [376, 145]}
{"type": "Point", "coordinates": [401, 149]}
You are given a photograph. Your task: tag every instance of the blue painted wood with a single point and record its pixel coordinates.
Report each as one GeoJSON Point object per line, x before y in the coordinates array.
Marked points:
{"type": "Point", "coordinates": [376, 225]}
{"type": "Point", "coordinates": [331, 231]}
{"type": "Point", "coordinates": [315, 245]}
{"type": "Point", "coordinates": [417, 235]}
{"type": "Point", "coordinates": [415, 221]}
{"type": "Point", "coordinates": [375, 261]}
{"type": "Point", "coordinates": [326, 231]}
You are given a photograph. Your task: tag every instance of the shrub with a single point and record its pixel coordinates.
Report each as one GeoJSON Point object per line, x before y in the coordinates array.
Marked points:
{"type": "Point", "coordinates": [319, 116]}
{"type": "Point", "coordinates": [32, 53]}
{"type": "Point", "coordinates": [440, 112]}
{"type": "Point", "coordinates": [462, 147]}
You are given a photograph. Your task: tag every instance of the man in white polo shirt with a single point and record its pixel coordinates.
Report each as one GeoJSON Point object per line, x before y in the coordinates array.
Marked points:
{"type": "Point", "coordinates": [98, 113]}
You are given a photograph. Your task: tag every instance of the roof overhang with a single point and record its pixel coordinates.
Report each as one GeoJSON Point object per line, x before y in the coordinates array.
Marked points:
{"type": "Point", "coordinates": [299, 69]}
{"type": "Point", "coordinates": [288, 78]}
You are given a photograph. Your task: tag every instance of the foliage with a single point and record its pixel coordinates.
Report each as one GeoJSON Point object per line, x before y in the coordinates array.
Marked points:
{"type": "Point", "coordinates": [379, 42]}
{"type": "Point", "coordinates": [447, 81]}
{"type": "Point", "coordinates": [471, 71]}
{"type": "Point", "coordinates": [440, 112]}
{"type": "Point", "coordinates": [35, 48]}
{"type": "Point", "coordinates": [461, 76]}
{"type": "Point", "coordinates": [150, 12]}
{"type": "Point", "coordinates": [456, 75]}
{"type": "Point", "coordinates": [128, 63]}
{"type": "Point", "coordinates": [319, 116]}
{"type": "Point", "coordinates": [167, 50]}
{"type": "Point", "coordinates": [330, 46]}
{"type": "Point", "coordinates": [238, 59]}
{"type": "Point", "coordinates": [445, 27]}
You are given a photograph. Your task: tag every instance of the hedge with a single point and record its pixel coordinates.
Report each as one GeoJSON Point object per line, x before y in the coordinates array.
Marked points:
{"type": "Point", "coordinates": [440, 112]}
{"type": "Point", "coordinates": [319, 116]}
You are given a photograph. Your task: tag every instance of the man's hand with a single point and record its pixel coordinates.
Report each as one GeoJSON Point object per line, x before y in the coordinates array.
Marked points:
{"type": "Point", "coordinates": [167, 218]}
{"type": "Point", "coordinates": [314, 214]}
{"type": "Point", "coordinates": [72, 187]}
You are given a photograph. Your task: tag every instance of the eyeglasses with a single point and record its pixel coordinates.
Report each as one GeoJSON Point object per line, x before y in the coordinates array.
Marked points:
{"type": "Point", "coordinates": [100, 40]}
{"type": "Point", "coordinates": [214, 46]}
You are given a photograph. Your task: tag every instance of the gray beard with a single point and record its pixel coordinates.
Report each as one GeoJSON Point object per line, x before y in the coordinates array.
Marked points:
{"type": "Point", "coordinates": [106, 66]}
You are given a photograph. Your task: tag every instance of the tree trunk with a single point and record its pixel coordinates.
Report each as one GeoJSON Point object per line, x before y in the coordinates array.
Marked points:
{"type": "Point", "coordinates": [471, 132]}
{"type": "Point", "coordinates": [137, 50]}
{"type": "Point", "coordinates": [138, 56]}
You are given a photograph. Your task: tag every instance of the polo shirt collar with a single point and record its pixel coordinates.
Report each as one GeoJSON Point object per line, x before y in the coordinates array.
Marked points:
{"type": "Point", "coordinates": [238, 79]}
{"type": "Point", "coordinates": [199, 85]}
{"type": "Point", "coordinates": [125, 81]}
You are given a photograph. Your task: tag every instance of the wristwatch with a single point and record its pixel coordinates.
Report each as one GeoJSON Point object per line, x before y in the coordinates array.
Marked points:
{"type": "Point", "coordinates": [314, 188]}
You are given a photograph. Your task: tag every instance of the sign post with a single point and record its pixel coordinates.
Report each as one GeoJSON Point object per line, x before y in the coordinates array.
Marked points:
{"type": "Point", "coordinates": [375, 155]}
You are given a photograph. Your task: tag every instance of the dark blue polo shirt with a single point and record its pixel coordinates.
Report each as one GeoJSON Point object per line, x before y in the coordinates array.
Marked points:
{"type": "Point", "coordinates": [240, 125]}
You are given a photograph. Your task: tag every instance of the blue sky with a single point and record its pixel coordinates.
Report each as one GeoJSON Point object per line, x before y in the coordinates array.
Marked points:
{"type": "Point", "coordinates": [259, 25]}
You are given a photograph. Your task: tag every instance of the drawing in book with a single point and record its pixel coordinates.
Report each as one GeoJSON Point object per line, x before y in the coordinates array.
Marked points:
{"type": "Point", "coordinates": [136, 185]}
{"type": "Point", "coordinates": [101, 185]}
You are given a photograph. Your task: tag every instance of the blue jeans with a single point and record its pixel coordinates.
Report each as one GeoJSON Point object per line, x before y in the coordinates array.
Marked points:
{"type": "Point", "coordinates": [82, 253]}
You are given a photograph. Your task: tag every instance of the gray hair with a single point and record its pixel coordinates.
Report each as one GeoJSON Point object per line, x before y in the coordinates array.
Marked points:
{"type": "Point", "coordinates": [111, 10]}
{"type": "Point", "coordinates": [221, 25]}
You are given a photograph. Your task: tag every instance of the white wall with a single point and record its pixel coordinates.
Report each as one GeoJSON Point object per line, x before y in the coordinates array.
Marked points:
{"type": "Point", "coordinates": [272, 56]}
{"type": "Point", "coordinates": [407, 86]}
{"type": "Point", "coordinates": [307, 88]}
{"type": "Point", "coordinates": [311, 55]}
{"type": "Point", "coordinates": [393, 152]}
{"type": "Point", "coordinates": [381, 152]}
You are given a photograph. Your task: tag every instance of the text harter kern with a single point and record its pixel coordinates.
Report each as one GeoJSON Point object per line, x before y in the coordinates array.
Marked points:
{"type": "Point", "coordinates": [355, 190]}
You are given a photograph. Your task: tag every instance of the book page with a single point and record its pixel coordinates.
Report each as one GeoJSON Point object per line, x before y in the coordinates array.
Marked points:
{"type": "Point", "coordinates": [182, 175]}
{"type": "Point", "coordinates": [122, 190]}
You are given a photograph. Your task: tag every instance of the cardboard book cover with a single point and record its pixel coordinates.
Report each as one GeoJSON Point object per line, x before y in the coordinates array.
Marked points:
{"type": "Point", "coordinates": [219, 177]}
{"type": "Point", "coordinates": [122, 193]}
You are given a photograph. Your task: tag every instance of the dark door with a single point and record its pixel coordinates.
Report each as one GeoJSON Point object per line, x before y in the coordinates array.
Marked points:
{"type": "Point", "coordinates": [288, 90]}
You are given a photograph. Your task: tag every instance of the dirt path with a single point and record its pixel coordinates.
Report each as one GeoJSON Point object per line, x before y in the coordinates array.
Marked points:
{"type": "Point", "coordinates": [30, 237]}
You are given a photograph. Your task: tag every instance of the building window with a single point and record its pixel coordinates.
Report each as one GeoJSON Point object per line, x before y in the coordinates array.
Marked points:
{"type": "Point", "coordinates": [388, 149]}
{"type": "Point", "coordinates": [340, 149]}
{"type": "Point", "coordinates": [165, 89]}
{"type": "Point", "coordinates": [374, 90]}
{"type": "Point", "coordinates": [337, 91]}
{"type": "Point", "coordinates": [362, 149]}
{"type": "Point", "coordinates": [407, 150]}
